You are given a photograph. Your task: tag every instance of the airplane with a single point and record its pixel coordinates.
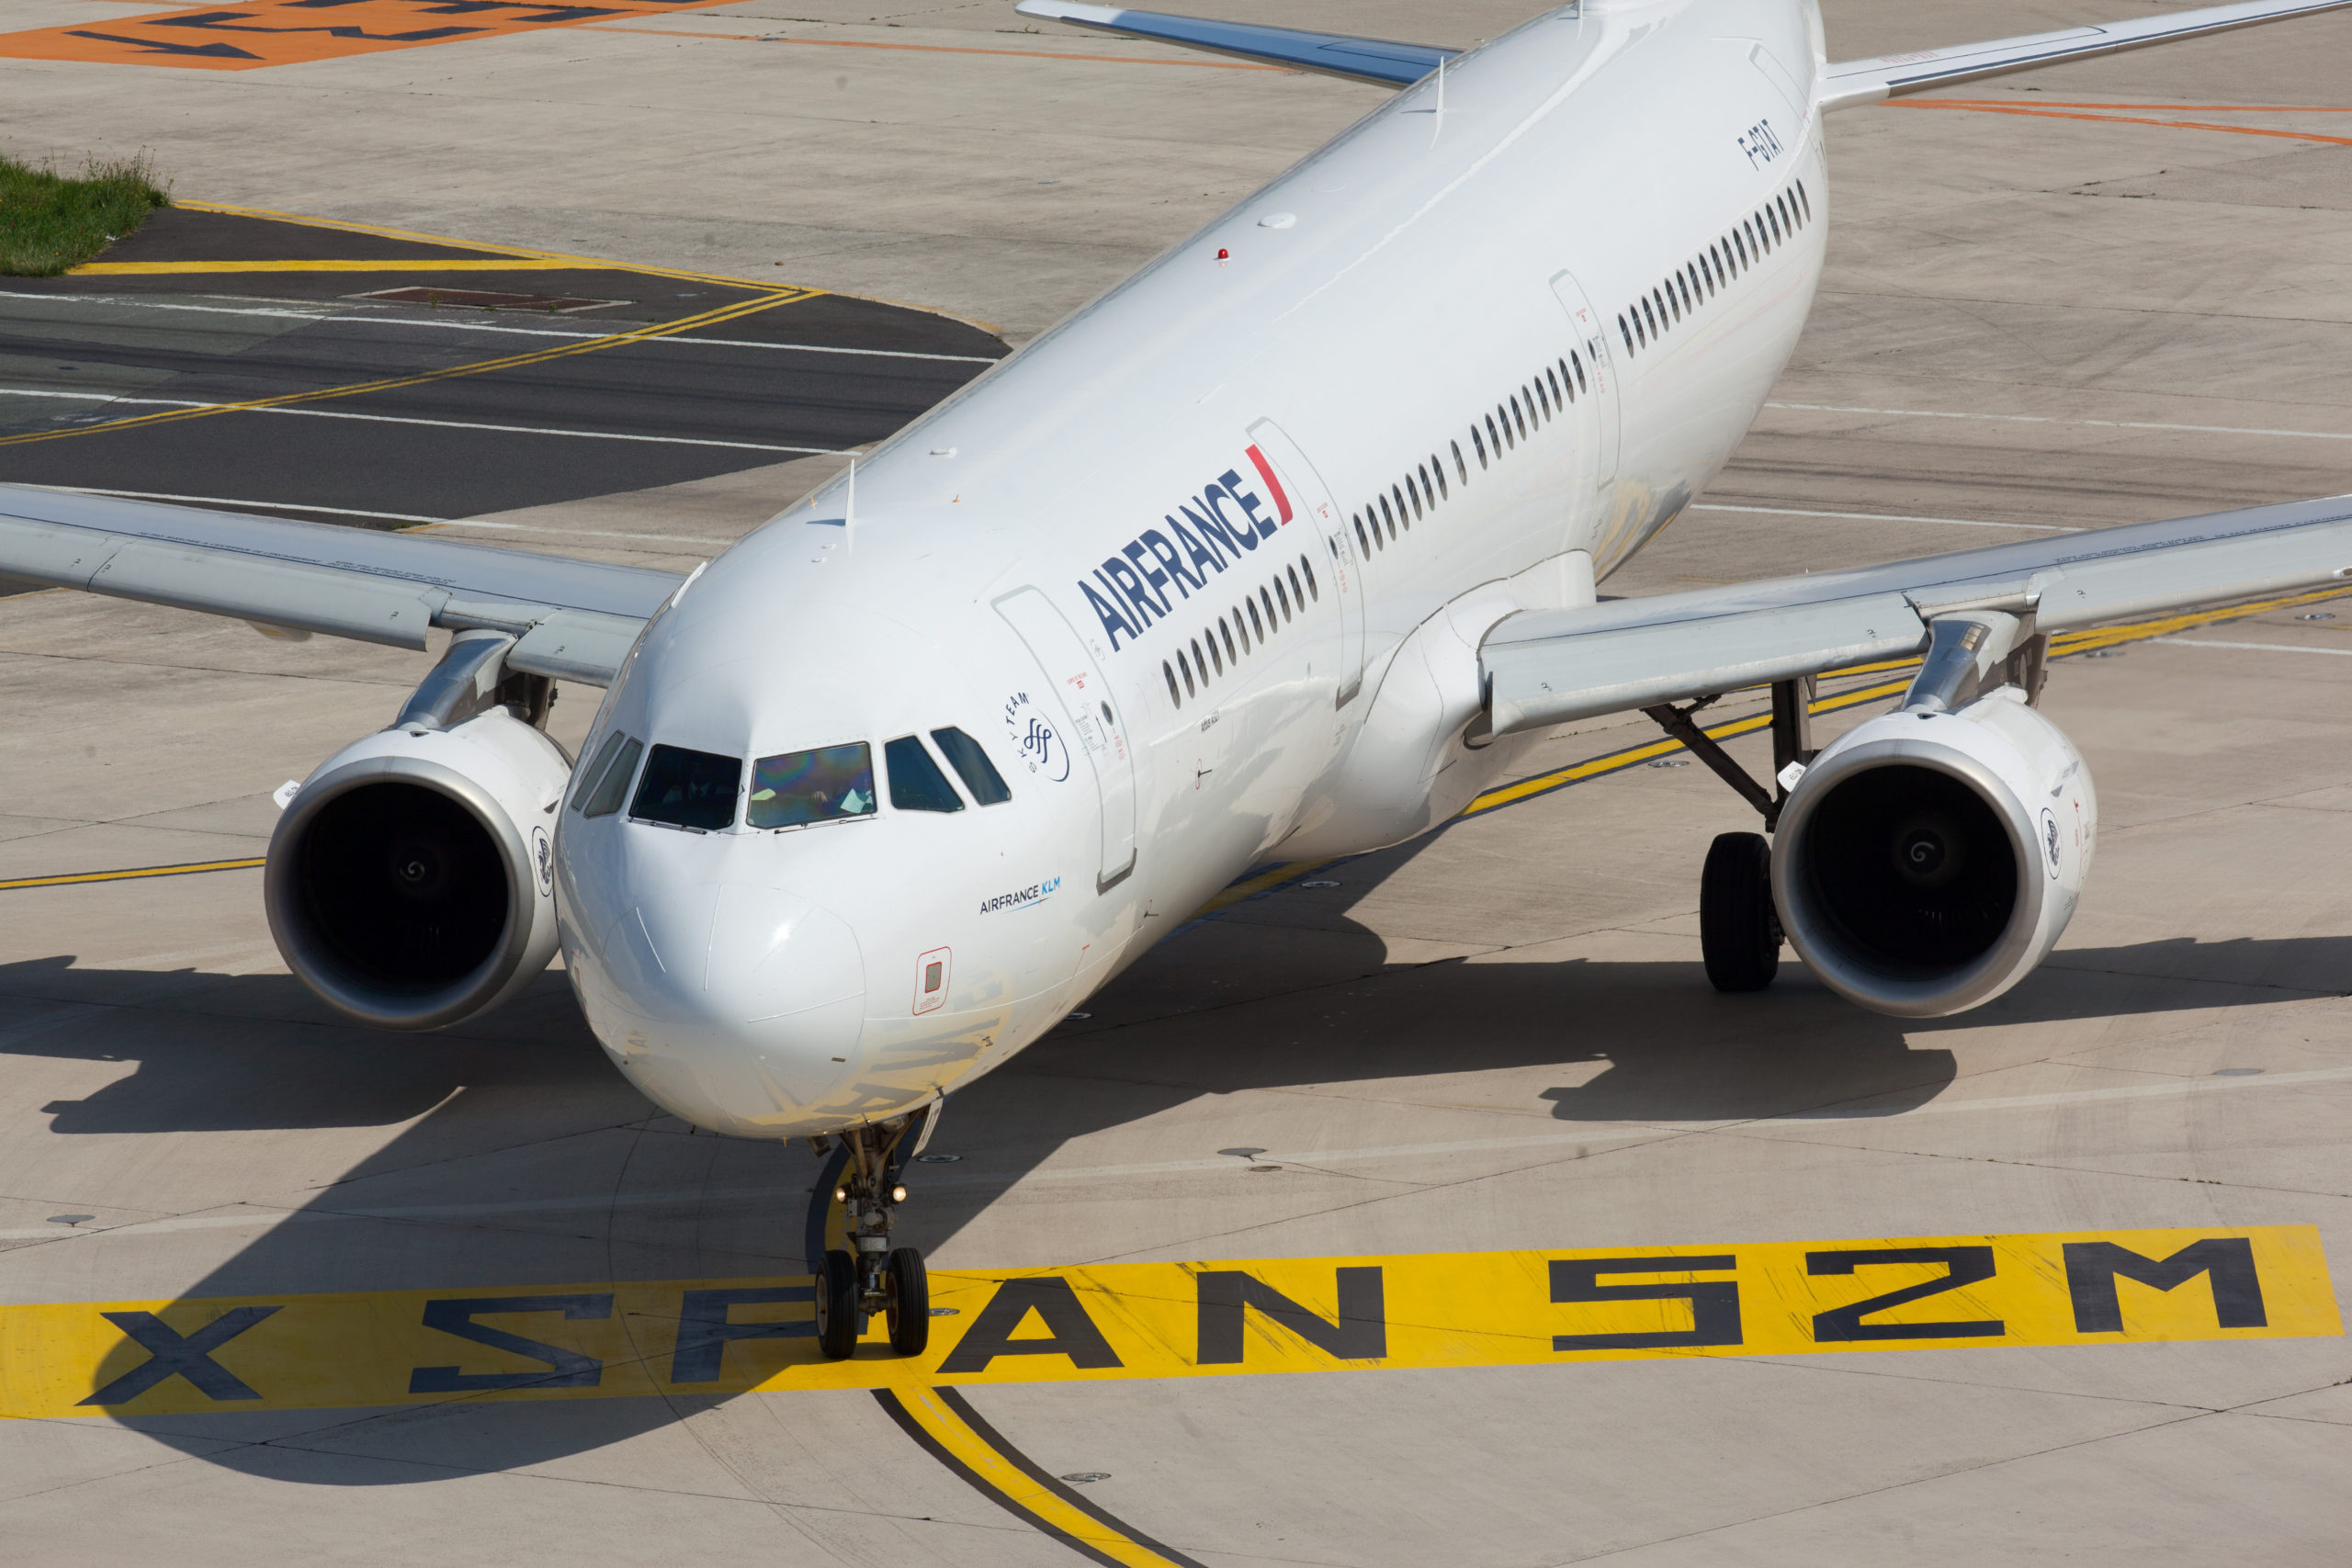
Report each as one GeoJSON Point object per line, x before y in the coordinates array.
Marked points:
{"type": "Point", "coordinates": [1284, 548]}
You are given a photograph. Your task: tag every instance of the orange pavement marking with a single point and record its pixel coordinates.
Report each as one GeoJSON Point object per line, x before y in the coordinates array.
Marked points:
{"type": "Point", "coordinates": [287, 33]}
{"type": "Point", "coordinates": [2032, 112]}
{"type": "Point", "coordinates": [934, 49]}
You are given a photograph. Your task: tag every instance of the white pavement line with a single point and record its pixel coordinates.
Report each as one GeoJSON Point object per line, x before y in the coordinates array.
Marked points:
{"type": "Point", "coordinates": [2251, 646]}
{"type": "Point", "coordinates": [396, 320]}
{"type": "Point", "coordinates": [248, 1217]}
{"type": "Point", "coordinates": [267, 505]}
{"type": "Point", "coordinates": [69, 1012]}
{"type": "Point", "coordinates": [2051, 419]}
{"type": "Point", "coordinates": [2067, 1097]}
{"type": "Point", "coordinates": [1878, 517]}
{"type": "Point", "coordinates": [437, 423]}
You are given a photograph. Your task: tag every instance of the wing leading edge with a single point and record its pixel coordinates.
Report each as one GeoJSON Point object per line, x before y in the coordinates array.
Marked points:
{"type": "Point", "coordinates": [1545, 667]}
{"type": "Point", "coordinates": [573, 620]}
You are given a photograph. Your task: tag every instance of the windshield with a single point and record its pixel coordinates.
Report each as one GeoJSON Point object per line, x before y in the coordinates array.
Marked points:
{"type": "Point", "coordinates": [826, 784]}
{"type": "Point", "coordinates": [688, 789]}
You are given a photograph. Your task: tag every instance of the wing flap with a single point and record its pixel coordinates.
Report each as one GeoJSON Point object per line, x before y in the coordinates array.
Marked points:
{"type": "Point", "coordinates": [1331, 54]}
{"type": "Point", "coordinates": [1851, 84]}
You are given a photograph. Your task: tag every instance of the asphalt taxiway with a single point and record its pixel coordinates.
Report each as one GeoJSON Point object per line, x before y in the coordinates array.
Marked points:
{"type": "Point", "coordinates": [2068, 309]}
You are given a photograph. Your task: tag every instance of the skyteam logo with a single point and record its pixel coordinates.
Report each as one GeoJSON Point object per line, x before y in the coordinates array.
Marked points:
{"type": "Point", "coordinates": [1043, 751]}
{"type": "Point", "coordinates": [1021, 898]}
{"type": "Point", "coordinates": [1206, 533]}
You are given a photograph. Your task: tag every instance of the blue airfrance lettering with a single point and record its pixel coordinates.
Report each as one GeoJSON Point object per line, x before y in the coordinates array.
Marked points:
{"type": "Point", "coordinates": [1142, 581]}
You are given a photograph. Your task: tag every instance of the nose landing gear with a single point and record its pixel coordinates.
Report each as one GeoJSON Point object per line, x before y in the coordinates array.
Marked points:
{"type": "Point", "coordinates": [872, 1275]}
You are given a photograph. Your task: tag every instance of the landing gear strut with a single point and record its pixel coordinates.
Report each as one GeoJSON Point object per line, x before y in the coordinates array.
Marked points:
{"type": "Point", "coordinates": [1739, 930]}
{"type": "Point", "coordinates": [873, 1277]}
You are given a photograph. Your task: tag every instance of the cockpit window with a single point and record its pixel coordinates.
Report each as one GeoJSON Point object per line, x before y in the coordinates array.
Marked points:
{"type": "Point", "coordinates": [688, 789]}
{"type": "Point", "coordinates": [916, 782]}
{"type": "Point", "coordinates": [827, 784]}
{"type": "Point", "coordinates": [972, 765]}
{"type": "Point", "coordinates": [611, 774]}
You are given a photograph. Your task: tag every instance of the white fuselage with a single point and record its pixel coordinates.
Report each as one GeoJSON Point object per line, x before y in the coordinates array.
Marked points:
{"type": "Point", "coordinates": [1061, 559]}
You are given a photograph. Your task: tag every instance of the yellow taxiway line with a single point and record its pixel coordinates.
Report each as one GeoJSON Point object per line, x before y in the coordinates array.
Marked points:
{"type": "Point", "coordinates": [944, 1424]}
{"type": "Point", "coordinates": [155, 270]}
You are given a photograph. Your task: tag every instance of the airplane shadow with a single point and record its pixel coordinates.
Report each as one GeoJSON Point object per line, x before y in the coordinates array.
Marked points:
{"type": "Point", "coordinates": [565, 1174]}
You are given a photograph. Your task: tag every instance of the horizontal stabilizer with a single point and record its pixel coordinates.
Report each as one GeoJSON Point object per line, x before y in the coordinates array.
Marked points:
{"type": "Point", "coordinates": [1857, 82]}
{"type": "Point", "coordinates": [1332, 54]}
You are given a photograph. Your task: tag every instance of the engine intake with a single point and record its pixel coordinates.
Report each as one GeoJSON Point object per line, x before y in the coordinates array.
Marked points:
{"type": "Point", "coordinates": [1929, 861]}
{"type": "Point", "coordinates": [411, 881]}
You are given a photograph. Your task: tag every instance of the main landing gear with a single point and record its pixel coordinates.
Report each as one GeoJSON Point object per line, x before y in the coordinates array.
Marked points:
{"type": "Point", "coordinates": [1739, 930]}
{"type": "Point", "coordinates": [873, 1277]}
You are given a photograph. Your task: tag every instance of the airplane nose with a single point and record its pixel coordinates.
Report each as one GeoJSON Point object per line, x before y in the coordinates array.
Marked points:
{"type": "Point", "coordinates": [743, 995]}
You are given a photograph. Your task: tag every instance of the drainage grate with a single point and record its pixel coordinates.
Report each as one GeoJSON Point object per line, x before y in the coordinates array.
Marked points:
{"type": "Point", "coordinates": [483, 300]}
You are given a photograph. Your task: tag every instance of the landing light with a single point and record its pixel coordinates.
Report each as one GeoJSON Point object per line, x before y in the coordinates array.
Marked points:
{"type": "Point", "coordinates": [897, 1194]}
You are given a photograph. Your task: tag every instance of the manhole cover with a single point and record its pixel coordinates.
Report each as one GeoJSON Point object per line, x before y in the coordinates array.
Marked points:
{"type": "Point", "coordinates": [1086, 1477]}
{"type": "Point", "coordinates": [937, 1159]}
{"type": "Point", "coordinates": [485, 300]}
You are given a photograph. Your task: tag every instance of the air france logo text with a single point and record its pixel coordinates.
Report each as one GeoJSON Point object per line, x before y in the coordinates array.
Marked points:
{"type": "Point", "coordinates": [1035, 893]}
{"type": "Point", "coordinates": [1203, 535]}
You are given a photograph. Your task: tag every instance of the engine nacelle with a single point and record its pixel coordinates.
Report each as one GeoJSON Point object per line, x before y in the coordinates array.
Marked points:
{"type": "Point", "coordinates": [1928, 862]}
{"type": "Point", "coordinates": [411, 881]}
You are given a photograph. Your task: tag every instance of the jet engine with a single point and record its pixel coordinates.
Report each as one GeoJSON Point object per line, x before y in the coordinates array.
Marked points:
{"type": "Point", "coordinates": [1931, 859]}
{"type": "Point", "coordinates": [411, 881]}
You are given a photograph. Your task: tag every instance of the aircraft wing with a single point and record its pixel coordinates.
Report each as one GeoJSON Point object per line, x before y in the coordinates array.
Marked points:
{"type": "Point", "coordinates": [1544, 667]}
{"type": "Point", "coordinates": [1332, 54]}
{"type": "Point", "coordinates": [574, 620]}
{"type": "Point", "coordinates": [1851, 84]}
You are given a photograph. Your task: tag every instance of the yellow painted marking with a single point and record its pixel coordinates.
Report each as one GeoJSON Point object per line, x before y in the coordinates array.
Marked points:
{"type": "Point", "coordinates": [77, 877]}
{"type": "Point", "coordinates": [508, 362]}
{"type": "Point", "coordinates": [987, 1468]}
{"type": "Point", "coordinates": [516, 264]}
{"type": "Point", "coordinates": [591, 264]}
{"type": "Point", "coordinates": [1157, 1320]}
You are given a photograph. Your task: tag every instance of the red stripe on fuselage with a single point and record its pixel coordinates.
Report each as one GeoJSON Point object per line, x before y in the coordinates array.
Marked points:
{"type": "Point", "coordinates": [1266, 473]}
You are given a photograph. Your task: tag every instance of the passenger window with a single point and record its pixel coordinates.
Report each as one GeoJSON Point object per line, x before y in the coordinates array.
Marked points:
{"type": "Point", "coordinates": [1283, 594]}
{"type": "Point", "coordinates": [1255, 624]}
{"type": "Point", "coordinates": [916, 782]}
{"type": "Point", "coordinates": [1644, 306]}
{"type": "Point", "coordinates": [1169, 674]}
{"type": "Point", "coordinates": [830, 783]}
{"type": "Point", "coordinates": [1623, 333]}
{"type": "Point", "coordinates": [1185, 668]}
{"type": "Point", "coordinates": [1461, 468]}
{"type": "Point", "coordinates": [1519, 417]}
{"type": "Point", "coordinates": [1408, 503]}
{"type": "Point", "coordinates": [1377, 537]}
{"type": "Point", "coordinates": [688, 789]}
{"type": "Point", "coordinates": [1429, 493]}
{"type": "Point", "coordinates": [1227, 632]}
{"type": "Point", "coordinates": [1364, 546]}
{"type": "Point", "coordinates": [1268, 600]}
{"type": "Point", "coordinates": [595, 772]}
{"type": "Point", "coordinates": [1805, 201]}
{"type": "Point", "coordinates": [1552, 376]}
{"type": "Point", "coordinates": [1576, 363]}
{"type": "Point", "coordinates": [1297, 595]}
{"type": "Point", "coordinates": [1216, 659]}
{"type": "Point", "coordinates": [1199, 663]}
{"type": "Point", "coordinates": [613, 785]}
{"type": "Point", "coordinates": [1495, 440]}
{"type": "Point", "coordinates": [1308, 567]}
{"type": "Point", "coordinates": [971, 765]}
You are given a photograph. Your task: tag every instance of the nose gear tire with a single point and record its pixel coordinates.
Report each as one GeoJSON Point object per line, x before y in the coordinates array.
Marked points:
{"type": "Point", "coordinates": [909, 1309]}
{"type": "Point", "coordinates": [837, 1311]}
{"type": "Point", "coordinates": [1739, 936]}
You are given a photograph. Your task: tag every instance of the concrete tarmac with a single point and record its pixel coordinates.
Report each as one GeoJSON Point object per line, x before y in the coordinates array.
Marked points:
{"type": "Point", "coordinates": [1496, 1040]}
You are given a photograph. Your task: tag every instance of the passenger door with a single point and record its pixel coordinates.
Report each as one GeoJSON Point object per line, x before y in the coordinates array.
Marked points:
{"type": "Point", "coordinates": [1092, 709]}
{"type": "Point", "coordinates": [1598, 431]}
{"type": "Point", "coordinates": [1308, 497]}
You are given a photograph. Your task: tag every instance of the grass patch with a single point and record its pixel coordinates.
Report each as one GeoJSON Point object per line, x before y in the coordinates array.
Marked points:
{"type": "Point", "coordinates": [51, 221]}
